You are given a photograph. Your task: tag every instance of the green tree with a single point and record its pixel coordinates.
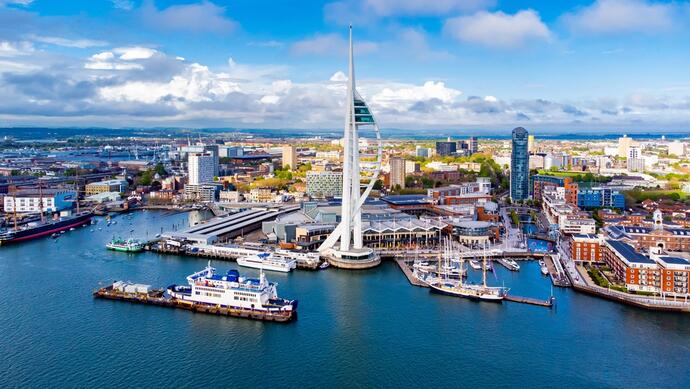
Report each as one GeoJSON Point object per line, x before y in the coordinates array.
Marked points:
{"type": "Point", "coordinates": [160, 169]}
{"type": "Point", "coordinates": [146, 177]}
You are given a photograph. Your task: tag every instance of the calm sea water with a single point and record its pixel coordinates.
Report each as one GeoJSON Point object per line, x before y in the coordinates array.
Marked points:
{"type": "Point", "coordinates": [355, 328]}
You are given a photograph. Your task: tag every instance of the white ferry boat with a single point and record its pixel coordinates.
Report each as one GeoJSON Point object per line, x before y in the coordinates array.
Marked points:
{"type": "Point", "coordinates": [267, 261]}
{"type": "Point", "coordinates": [231, 291]}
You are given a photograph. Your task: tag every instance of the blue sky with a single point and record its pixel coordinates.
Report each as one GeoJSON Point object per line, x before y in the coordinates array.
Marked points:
{"type": "Point", "coordinates": [447, 64]}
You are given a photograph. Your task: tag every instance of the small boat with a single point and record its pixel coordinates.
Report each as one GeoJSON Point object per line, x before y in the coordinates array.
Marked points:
{"type": "Point", "coordinates": [129, 245]}
{"type": "Point", "coordinates": [511, 264]}
{"type": "Point", "coordinates": [544, 269]}
{"type": "Point", "coordinates": [62, 232]}
{"type": "Point", "coordinates": [324, 265]}
{"type": "Point", "coordinates": [475, 265]}
{"type": "Point", "coordinates": [72, 229]}
{"type": "Point", "coordinates": [55, 235]}
{"type": "Point", "coordinates": [266, 261]}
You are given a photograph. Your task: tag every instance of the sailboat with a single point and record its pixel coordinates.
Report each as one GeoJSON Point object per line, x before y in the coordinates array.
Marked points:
{"type": "Point", "coordinates": [459, 288]}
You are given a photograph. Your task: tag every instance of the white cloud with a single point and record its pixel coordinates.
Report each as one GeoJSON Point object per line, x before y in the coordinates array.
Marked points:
{"type": "Point", "coordinates": [621, 16]}
{"type": "Point", "coordinates": [404, 96]}
{"type": "Point", "coordinates": [58, 41]}
{"type": "Point", "coordinates": [159, 89]}
{"type": "Point", "coordinates": [423, 7]}
{"type": "Point", "coordinates": [195, 84]}
{"type": "Point", "coordinates": [498, 29]}
{"type": "Point", "coordinates": [365, 11]}
{"type": "Point", "coordinates": [16, 2]}
{"type": "Point", "coordinates": [13, 49]}
{"type": "Point", "coordinates": [338, 77]}
{"type": "Point", "coordinates": [126, 5]}
{"type": "Point", "coordinates": [330, 44]}
{"type": "Point", "coordinates": [201, 17]}
{"type": "Point", "coordinates": [133, 53]}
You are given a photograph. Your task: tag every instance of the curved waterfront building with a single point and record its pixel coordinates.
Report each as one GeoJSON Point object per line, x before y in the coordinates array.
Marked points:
{"type": "Point", "coordinates": [351, 253]}
{"type": "Point", "coordinates": [519, 165]}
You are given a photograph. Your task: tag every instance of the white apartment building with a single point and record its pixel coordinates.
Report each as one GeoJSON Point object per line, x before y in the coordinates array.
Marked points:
{"type": "Point", "coordinates": [200, 168]}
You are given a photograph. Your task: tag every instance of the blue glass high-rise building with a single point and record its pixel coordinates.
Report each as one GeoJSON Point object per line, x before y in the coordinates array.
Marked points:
{"type": "Point", "coordinates": [519, 165]}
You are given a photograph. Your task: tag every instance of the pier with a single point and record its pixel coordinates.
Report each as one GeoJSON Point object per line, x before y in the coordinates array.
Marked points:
{"type": "Point", "coordinates": [556, 272]}
{"type": "Point", "coordinates": [532, 301]}
{"type": "Point", "coordinates": [156, 297]}
{"type": "Point", "coordinates": [405, 267]}
{"type": "Point", "coordinates": [221, 253]}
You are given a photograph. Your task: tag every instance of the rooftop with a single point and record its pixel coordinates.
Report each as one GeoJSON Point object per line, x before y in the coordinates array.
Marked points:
{"type": "Point", "coordinates": [628, 252]}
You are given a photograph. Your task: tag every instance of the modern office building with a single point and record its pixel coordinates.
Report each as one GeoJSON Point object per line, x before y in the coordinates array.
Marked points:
{"type": "Point", "coordinates": [324, 184]}
{"type": "Point", "coordinates": [106, 186]}
{"type": "Point", "coordinates": [600, 197]}
{"type": "Point", "coordinates": [531, 146]}
{"type": "Point", "coordinates": [212, 150]}
{"type": "Point", "coordinates": [541, 182]}
{"type": "Point", "coordinates": [290, 157]}
{"type": "Point", "coordinates": [624, 144]}
{"type": "Point", "coordinates": [446, 148]}
{"type": "Point", "coordinates": [473, 144]}
{"type": "Point", "coordinates": [200, 167]}
{"type": "Point", "coordinates": [519, 165]}
{"type": "Point", "coordinates": [397, 173]}
{"type": "Point", "coordinates": [635, 161]}
{"type": "Point", "coordinates": [423, 152]}
{"type": "Point", "coordinates": [676, 148]}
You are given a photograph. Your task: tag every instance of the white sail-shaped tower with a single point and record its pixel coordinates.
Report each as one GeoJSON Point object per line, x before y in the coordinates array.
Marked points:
{"type": "Point", "coordinates": [344, 247]}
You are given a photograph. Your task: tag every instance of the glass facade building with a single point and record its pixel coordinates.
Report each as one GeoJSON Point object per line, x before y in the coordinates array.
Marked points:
{"type": "Point", "coordinates": [519, 166]}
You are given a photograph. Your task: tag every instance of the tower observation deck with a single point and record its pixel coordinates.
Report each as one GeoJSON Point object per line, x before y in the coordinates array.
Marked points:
{"type": "Point", "coordinates": [344, 248]}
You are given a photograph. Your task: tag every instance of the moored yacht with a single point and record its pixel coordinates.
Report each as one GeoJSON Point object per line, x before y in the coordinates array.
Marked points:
{"type": "Point", "coordinates": [267, 261]}
{"type": "Point", "coordinates": [458, 288]}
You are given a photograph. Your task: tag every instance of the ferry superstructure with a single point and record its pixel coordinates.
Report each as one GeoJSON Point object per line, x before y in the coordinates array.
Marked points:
{"type": "Point", "coordinates": [229, 290]}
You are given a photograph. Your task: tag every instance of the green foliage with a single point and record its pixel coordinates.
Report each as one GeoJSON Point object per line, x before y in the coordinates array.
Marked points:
{"type": "Point", "coordinates": [146, 177]}
{"type": "Point", "coordinates": [160, 169]}
{"type": "Point", "coordinates": [514, 217]}
{"type": "Point", "coordinates": [283, 174]}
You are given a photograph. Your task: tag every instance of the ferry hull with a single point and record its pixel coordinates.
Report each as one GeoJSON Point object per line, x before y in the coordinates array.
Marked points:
{"type": "Point", "coordinates": [157, 298]}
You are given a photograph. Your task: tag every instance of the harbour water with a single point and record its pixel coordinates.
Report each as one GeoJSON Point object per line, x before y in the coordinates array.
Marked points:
{"type": "Point", "coordinates": [369, 328]}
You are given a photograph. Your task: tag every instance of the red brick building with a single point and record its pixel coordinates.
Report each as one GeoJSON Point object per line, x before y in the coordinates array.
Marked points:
{"type": "Point", "coordinates": [585, 248]}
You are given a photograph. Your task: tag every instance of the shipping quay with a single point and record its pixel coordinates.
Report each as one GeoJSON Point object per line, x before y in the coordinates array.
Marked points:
{"type": "Point", "coordinates": [405, 267]}
{"type": "Point", "coordinates": [230, 253]}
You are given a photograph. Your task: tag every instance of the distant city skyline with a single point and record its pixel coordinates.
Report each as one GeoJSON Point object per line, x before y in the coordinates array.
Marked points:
{"type": "Point", "coordinates": [604, 65]}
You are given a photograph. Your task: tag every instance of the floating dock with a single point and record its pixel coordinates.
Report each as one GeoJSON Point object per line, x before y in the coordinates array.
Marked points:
{"type": "Point", "coordinates": [156, 297]}
{"type": "Point", "coordinates": [528, 300]}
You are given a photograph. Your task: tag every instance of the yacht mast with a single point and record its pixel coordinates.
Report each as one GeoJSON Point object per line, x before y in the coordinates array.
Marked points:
{"type": "Point", "coordinates": [484, 265]}
{"type": "Point", "coordinates": [40, 201]}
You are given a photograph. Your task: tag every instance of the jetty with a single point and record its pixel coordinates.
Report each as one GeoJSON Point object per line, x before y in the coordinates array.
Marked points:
{"type": "Point", "coordinates": [532, 301]}
{"type": "Point", "coordinates": [405, 267]}
{"type": "Point", "coordinates": [157, 297]}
